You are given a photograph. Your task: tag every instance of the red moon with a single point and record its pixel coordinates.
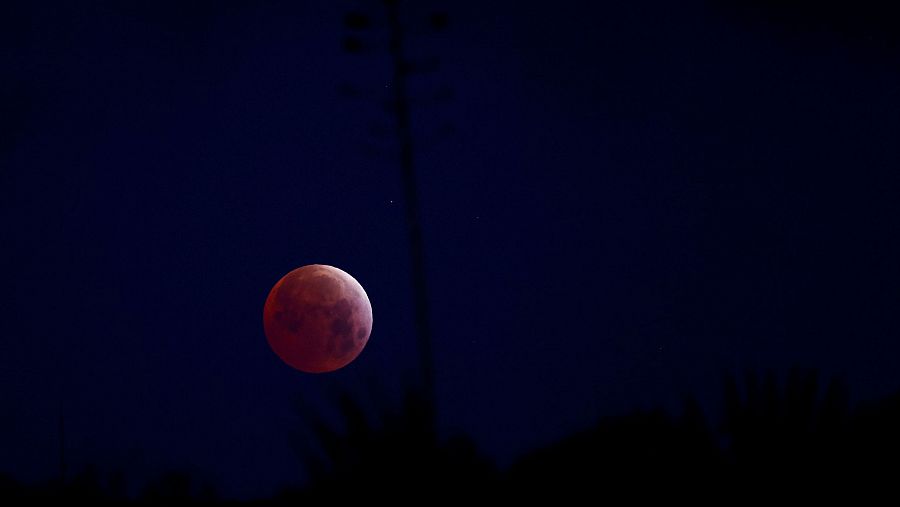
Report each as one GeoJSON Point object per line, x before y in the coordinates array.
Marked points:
{"type": "Point", "coordinates": [317, 318]}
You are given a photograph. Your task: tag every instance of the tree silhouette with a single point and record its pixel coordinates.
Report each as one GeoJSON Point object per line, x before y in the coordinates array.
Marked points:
{"type": "Point", "coordinates": [776, 439]}
{"type": "Point", "coordinates": [392, 459]}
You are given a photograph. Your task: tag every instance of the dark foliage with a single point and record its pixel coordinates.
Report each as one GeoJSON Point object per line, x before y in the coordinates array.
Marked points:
{"type": "Point", "coordinates": [776, 439]}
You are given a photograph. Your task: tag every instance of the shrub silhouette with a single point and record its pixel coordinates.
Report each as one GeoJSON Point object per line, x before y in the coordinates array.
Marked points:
{"type": "Point", "coordinates": [395, 460]}
{"type": "Point", "coordinates": [772, 439]}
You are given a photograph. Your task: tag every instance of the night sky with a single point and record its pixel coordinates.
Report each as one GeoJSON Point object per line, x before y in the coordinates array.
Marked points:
{"type": "Point", "coordinates": [621, 203]}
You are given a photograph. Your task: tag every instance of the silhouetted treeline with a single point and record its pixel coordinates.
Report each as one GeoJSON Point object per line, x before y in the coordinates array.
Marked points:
{"type": "Point", "coordinates": [775, 441]}
{"type": "Point", "coordinates": [772, 440]}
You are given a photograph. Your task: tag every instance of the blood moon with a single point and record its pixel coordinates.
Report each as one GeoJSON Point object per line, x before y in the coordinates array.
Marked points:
{"type": "Point", "coordinates": [317, 318]}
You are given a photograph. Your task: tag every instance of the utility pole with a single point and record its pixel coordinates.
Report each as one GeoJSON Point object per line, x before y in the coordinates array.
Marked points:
{"type": "Point", "coordinates": [414, 225]}
{"type": "Point", "coordinates": [400, 108]}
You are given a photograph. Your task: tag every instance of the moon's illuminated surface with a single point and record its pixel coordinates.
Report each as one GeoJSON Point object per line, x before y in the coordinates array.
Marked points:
{"type": "Point", "coordinates": [317, 318]}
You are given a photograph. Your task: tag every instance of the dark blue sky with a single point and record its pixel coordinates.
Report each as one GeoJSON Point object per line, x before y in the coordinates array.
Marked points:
{"type": "Point", "coordinates": [631, 201]}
